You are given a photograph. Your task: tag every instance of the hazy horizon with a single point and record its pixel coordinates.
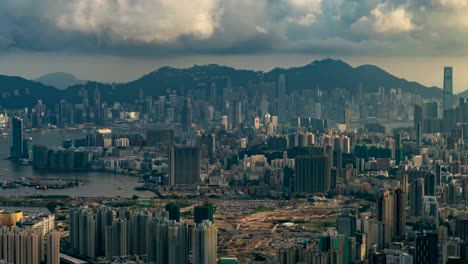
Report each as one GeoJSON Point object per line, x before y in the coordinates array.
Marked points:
{"type": "Point", "coordinates": [117, 41]}
{"type": "Point", "coordinates": [111, 69]}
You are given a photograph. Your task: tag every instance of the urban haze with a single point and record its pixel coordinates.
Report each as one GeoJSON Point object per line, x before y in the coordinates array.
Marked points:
{"type": "Point", "coordinates": [234, 131]}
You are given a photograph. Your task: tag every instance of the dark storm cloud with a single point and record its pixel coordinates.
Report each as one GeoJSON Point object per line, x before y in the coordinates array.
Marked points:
{"type": "Point", "coordinates": [158, 28]}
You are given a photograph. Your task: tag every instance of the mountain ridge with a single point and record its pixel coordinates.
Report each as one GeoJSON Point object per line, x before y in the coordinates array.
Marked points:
{"type": "Point", "coordinates": [326, 74]}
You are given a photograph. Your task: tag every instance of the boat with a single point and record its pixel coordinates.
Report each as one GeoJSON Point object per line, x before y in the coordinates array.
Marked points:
{"type": "Point", "coordinates": [120, 188]}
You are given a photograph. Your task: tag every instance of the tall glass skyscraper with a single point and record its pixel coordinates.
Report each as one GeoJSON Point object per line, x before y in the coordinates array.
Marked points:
{"type": "Point", "coordinates": [448, 88]}
{"type": "Point", "coordinates": [19, 147]}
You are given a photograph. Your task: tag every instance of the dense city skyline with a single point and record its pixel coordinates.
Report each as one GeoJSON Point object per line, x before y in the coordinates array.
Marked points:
{"type": "Point", "coordinates": [280, 132]}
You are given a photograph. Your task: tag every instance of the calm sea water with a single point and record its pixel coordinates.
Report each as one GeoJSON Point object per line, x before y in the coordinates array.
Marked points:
{"type": "Point", "coordinates": [98, 183]}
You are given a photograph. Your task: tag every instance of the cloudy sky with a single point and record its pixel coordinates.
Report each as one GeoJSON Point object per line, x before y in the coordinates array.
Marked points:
{"type": "Point", "coordinates": [119, 40]}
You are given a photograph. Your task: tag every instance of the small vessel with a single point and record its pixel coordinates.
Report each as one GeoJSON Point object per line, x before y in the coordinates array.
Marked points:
{"type": "Point", "coordinates": [120, 188]}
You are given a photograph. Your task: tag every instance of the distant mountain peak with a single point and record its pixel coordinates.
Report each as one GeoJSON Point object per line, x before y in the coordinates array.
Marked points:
{"type": "Point", "coordinates": [328, 61]}
{"type": "Point", "coordinates": [60, 80]}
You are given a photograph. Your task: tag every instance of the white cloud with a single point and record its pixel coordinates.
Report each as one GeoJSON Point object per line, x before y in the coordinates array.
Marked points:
{"type": "Point", "coordinates": [383, 19]}
{"type": "Point", "coordinates": [451, 3]}
{"type": "Point", "coordinates": [394, 21]}
{"type": "Point", "coordinates": [305, 20]}
{"type": "Point", "coordinates": [304, 12]}
{"type": "Point", "coordinates": [134, 27]}
{"type": "Point", "coordinates": [148, 21]}
{"type": "Point", "coordinates": [261, 30]}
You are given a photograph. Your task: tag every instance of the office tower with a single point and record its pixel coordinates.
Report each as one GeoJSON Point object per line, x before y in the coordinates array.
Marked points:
{"type": "Point", "coordinates": [205, 212]}
{"type": "Point", "coordinates": [162, 108]}
{"type": "Point", "coordinates": [18, 148]}
{"type": "Point", "coordinates": [338, 147]}
{"type": "Point", "coordinates": [416, 197]}
{"type": "Point", "coordinates": [281, 88]}
{"type": "Point", "coordinates": [427, 250]}
{"type": "Point", "coordinates": [97, 105]}
{"type": "Point", "coordinates": [204, 243]}
{"type": "Point", "coordinates": [236, 114]}
{"type": "Point", "coordinates": [429, 184]}
{"type": "Point", "coordinates": [162, 136]}
{"type": "Point", "coordinates": [224, 122]}
{"type": "Point", "coordinates": [461, 227]}
{"type": "Point", "coordinates": [178, 242]}
{"type": "Point", "coordinates": [397, 138]}
{"type": "Point", "coordinates": [385, 214]}
{"type": "Point", "coordinates": [187, 113]}
{"type": "Point", "coordinates": [465, 188]}
{"type": "Point", "coordinates": [184, 165]}
{"type": "Point", "coordinates": [174, 211]}
{"type": "Point", "coordinates": [346, 225]}
{"type": "Point", "coordinates": [346, 145]}
{"type": "Point", "coordinates": [313, 174]}
{"type": "Point", "coordinates": [213, 95]}
{"type": "Point", "coordinates": [347, 118]}
{"type": "Point", "coordinates": [430, 210]}
{"type": "Point", "coordinates": [430, 109]}
{"type": "Point", "coordinates": [149, 107]}
{"type": "Point", "coordinates": [448, 88]}
{"type": "Point", "coordinates": [53, 248]}
{"type": "Point", "coordinates": [63, 114]}
{"type": "Point", "coordinates": [451, 194]}
{"type": "Point", "coordinates": [281, 98]}
{"type": "Point", "coordinates": [317, 110]}
{"type": "Point", "coordinates": [417, 123]}
{"type": "Point", "coordinates": [399, 230]}
{"type": "Point", "coordinates": [390, 144]}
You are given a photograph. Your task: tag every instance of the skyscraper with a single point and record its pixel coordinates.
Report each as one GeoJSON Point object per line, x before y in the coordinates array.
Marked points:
{"type": "Point", "coordinates": [417, 126]}
{"type": "Point", "coordinates": [83, 231]}
{"type": "Point", "coordinates": [178, 242]}
{"type": "Point", "coordinates": [184, 165]}
{"type": "Point", "coordinates": [448, 88]}
{"type": "Point", "coordinates": [281, 91]}
{"type": "Point", "coordinates": [24, 246]}
{"type": "Point", "coordinates": [385, 214]}
{"type": "Point", "coordinates": [346, 225]}
{"type": "Point", "coordinates": [416, 197]}
{"type": "Point", "coordinates": [430, 109]}
{"type": "Point", "coordinates": [347, 117]}
{"type": "Point", "coordinates": [429, 184]}
{"type": "Point", "coordinates": [281, 97]}
{"type": "Point", "coordinates": [427, 250]}
{"type": "Point", "coordinates": [399, 229]}
{"type": "Point", "coordinates": [18, 148]}
{"type": "Point", "coordinates": [236, 113]}
{"type": "Point", "coordinates": [204, 243]}
{"type": "Point", "coordinates": [53, 248]}
{"type": "Point", "coordinates": [313, 174]}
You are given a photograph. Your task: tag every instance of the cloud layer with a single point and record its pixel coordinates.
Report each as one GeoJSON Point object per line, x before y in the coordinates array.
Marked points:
{"type": "Point", "coordinates": [165, 27]}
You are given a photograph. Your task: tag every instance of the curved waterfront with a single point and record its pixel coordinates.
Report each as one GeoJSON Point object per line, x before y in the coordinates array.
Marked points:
{"type": "Point", "coordinates": [96, 183]}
